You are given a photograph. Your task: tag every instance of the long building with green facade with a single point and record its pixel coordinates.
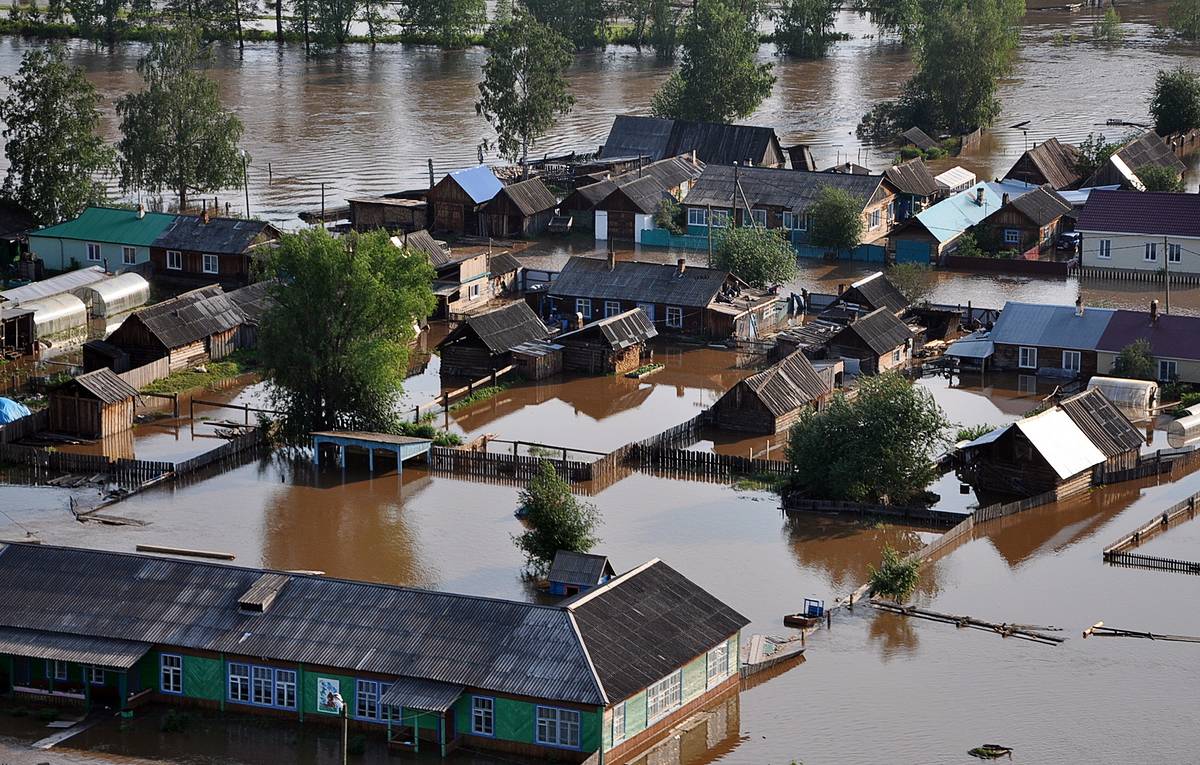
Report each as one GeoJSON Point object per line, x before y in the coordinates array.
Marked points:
{"type": "Point", "coordinates": [592, 679]}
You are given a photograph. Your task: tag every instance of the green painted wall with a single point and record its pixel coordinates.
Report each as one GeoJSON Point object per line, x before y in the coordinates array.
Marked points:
{"type": "Point", "coordinates": [308, 691]}
{"type": "Point", "coordinates": [146, 671]}
{"type": "Point", "coordinates": [203, 678]}
{"type": "Point", "coordinates": [635, 714]}
{"type": "Point", "coordinates": [695, 678]}
{"type": "Point", "coordinates": [515, 721]}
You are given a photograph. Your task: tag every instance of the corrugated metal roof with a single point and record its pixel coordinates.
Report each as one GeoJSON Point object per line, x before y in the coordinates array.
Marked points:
{"type": "Point", "coordinates": [503, 329]}
{"type": "Point", "coordinates": [105, 385]}
{"type": "Point", "coordinates": [1155, 213]}
{"type": "Point", "coordinates": [619, 331]}
{"type": "Point", "coordinates": [879, 330]}
{"type": "Point", "coordinates": [977, 345]}
{"type": "Point", "coordinates": [253, 300]}
{"type": "Point", "coordinates": [1149, 149]}
{"type": "Point", "coordinates": [1041, 206]}
{"type": "Point", "coordinates": [56, 285]}
{"type": "Point", "coordinates": [791, 190]}
{"type": "Point", "coordinates": [479, 182]}
{"type": "Point", "coordinates": [580, 569]}
{"type": "Point", "coordinates": [640, 282]}
{"type": "Point", "coordinates": [187, 318]}
{"type": "Point", "coordinates": [1055, 162]}
{"type": "Point", "coordinates": [1053, 326]}
{"type": "Point", "coordinates": [1103, 424]}
{"type": "Point", "coordinates": [657, 138]}
{"type": "Point", "coordinates": [788, 385]}
{"type": "Point", "coordinates": [219, 236]}
{"type": "Point", "coordinates": [955, 177]}
{"type": "Point", "coordinates": [874, 291]}
{"type": "Point", "coordinates": [1061, 443]}
{"type": "Point", "coordinates": [110, 225]}
{"type": "Point", "coordinates": [503, 263]}
{"type": "Point", "coordinates": [645, 193]}
{"type": "Point", "coordinates": [57, 646]}
{"type": "Point", "coordinates": [912, 177]}
{"type": "Point", "coordinates": [949, 218]}
{"type": "Point", "coordinates": [919, 138]}
{"type": "Point", "coordinates": [422, 241]}
{"type": "Point", "coordinates": [427, 695]}
{"type": "Point", "coordinates": [530, 196]}
{"type": "Point", "coordinates": [1171, 336]}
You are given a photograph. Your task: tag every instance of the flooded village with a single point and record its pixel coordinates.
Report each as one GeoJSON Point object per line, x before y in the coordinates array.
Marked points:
{"type": "Point", "coordinates": [789, 431]}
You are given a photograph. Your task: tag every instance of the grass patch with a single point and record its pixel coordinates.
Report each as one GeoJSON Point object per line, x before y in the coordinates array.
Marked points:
{"type": "Point", "coordinates": [971, 432]}
{"type": "Point", "coordinates": [484, 393]}
{"type": "Point", "coordinates": [426, 429]}
{"type": "Point", "coordinates": [761, 482]}
{"type": "Point", "coordinates": [237, 363]}
{"type": "Point", "coordinates": [645, 369]}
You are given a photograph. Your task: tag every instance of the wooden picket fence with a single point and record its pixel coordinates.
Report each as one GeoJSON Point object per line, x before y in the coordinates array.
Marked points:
{"type": "Point", "coordinates": [1118, 553]}
{"type": "Point", "coordinates": [140, 377]}
{"type": "Point", "coordinates": [230, 449]}
{"type": "Point", "coordinates": [24, 427]}
{"type": "Point", "coordinates": [124, 471]}
{"type": "Point", "coordinates": [798, 504]}
{"type": "Point", "coordinates": [707, 465]}
{"type": "Point", "coordinates": [460, 462]}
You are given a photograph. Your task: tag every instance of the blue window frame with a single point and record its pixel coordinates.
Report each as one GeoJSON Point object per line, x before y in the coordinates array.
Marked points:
{"type": "Point", "coordinates": [262, 686]}
{"type": "Point", "coordinates": [171, 673]}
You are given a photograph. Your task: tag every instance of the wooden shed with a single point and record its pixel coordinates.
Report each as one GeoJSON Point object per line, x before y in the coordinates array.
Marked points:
{"type": "Point", "coordinates": [94, 405]}
{"type": "Point", "coordinates": [190, 329]}
{"type": "Point", "coordinates": [459, 198]}
{"type": "Point", "coordinates": [572, 573]}
{"type": "Point", "coordinates": [390, 213]}
{"type": "Point", "coordinates": [538, 359]}
{"type": "Point", "coordinates": [520, 209]}
{"type": "Point", "coordinates": [484, 342]}
{"type": "Point", "coordinates": [772, 400]}
{"type": "Point", "coordinates": [875, 343]}
{"type": "Point", "coordinates": [613, 345]}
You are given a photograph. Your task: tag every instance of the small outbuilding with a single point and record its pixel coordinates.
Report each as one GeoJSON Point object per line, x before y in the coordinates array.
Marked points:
{"type": "Point", "coordinates": [93, 405]}
{"type": "Point", "coordinates": [391, 213]}
{"type": "Point", "coordinates": [190, 329]}
{"type": "Point", "coordinates": [484, 342]}
{"type": "Point", "coordinates": [58, 317]}
{"type": "Point", "coordinates": [16, 331]}
{"type": "Point", "coordinates": [1135, 398]}
{"type": "Point", "coordinates": [458, 199]}
{"type": "Point", "coordinates": [572, 573]}
{"type": "Point", "coordinates": [520, 209]}
{"type": "Point", "coordinates": [873, 344]}
{"type": "Point", "coordinates": [613, 345]}
{"type": "Point", "coordinates": [867, 294]}
{"type": "Point", "coordinates": [772, 400]}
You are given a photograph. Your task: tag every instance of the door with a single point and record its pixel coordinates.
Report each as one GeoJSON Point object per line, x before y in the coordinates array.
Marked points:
{"type": "Point", "coordinates": [620, 226]}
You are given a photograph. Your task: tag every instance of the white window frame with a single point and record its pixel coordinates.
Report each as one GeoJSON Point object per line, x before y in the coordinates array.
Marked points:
{"type": "Point", "coordinates": [483, 716]}
{"type": "Point", "coordinates": [874, 218]}
{"type": "Point", "coordinates": [1174, 253]}
{"type": "Point", "coordinates": [174, 260]}
{"type": "Point", "coordinates": [720, 218]}
{"type": "Point", "coordinates": [788, 220]}
{"type": "Point", "coordinates": [557, 727]}
{"type": "Point", "coordinates": [285, 688]}
{"type": "Point", "coordinates": [205, 259]}
{"type": "Point", "coordinates": [1072, 361]}
{"type": "Point", "coordinates": [238, 682]}
{"type": "Point", "coordinates": [58, 670]}
{"type": "Point", "coordinates": [697, 216]}
{"type": "Point", "coordinates": [611, 308]}
{"type": "Point", "coordinates": [1027, 357]}
{"type": "Point", "coordinates": [754, 216]}
{"type": "Point", "coordinates": [262, 686]}
{"type": "Point", "coordinates": [1104, 249]}
{"type": "Point", "coordinates": [94, 675]}
{"type": "Point", "coordinates": [618, 723]}
{"type": "Point", "coordinates": [1151, 253]}
{"type": "Point", "coordinates": [896, 356]}
{"type": "Point", "coordinates": [584, 306]}
{"type": "Point", "coordinates": [717, 664]}
{"type": "Point", "coordinates": [128, 256]}
{"type": "Point", "coordinates": [473, 291]}
{"type": "Point", "coordinates": [1012, 236]}
{"type": "Point", "coordinates": [94, 253]}
{"type": "Point", "coordinates": [674, 317]}
{"type": "Point", "coordinates": [366, 699]}
{"type": "Point", "coordinates": [664, 697]}
{"type": "Point", "coordinates": [1168, 369]}
{"type": "Point", "coordinates": [170, 673]}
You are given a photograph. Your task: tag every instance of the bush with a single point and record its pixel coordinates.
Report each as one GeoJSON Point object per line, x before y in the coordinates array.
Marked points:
{"type": "Point", "coordinates": [971, 432]}
{"type": "Point", "coordinates": [1135, 362]}
{"type": "Point", "coordinates": [896, 577]}
{"type": "Point", "coordinates": [557, 520]}
{"type": "Point", "coordinates": [670, 216]}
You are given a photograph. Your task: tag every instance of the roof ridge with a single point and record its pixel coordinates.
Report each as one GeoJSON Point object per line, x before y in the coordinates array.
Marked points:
{"type": "Point", "coordinates": [610, 584]}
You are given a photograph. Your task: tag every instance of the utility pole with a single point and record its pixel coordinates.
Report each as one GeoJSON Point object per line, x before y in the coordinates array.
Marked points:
{"type": "Point", "coordinates": [1167, 273]}
{"type": "Point", "coordinates": [736, 184]}
{"type": "Point", "coordinates": [322, 204]}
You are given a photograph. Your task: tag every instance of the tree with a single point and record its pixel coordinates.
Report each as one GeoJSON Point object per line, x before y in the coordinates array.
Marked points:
{"type": "Point", "coordinates": [759, 256]}
{"type": "Point", "coordinates": [1159, 178]}
{"type": "Point", "coordinates": [51, 137]}
{"type": "Point", "coordinates": [836, 219]}
{"type": "Point", "coordinates": [669, 216]}
{"type": "Point", "coordinates": [968, 247]}
{"type": "Point", "coordinates": [556, 519]}
{"type": "Point", "coordinates": [524, 89]}
{"type": "Point", "coordinates": [804, 28]}
{"type": "Point", "coordinates": [897, 575]}
{"type": "Point", "coordinates": [375, 14]}
{"type": "Point", "coordinates": [175, 134]}
{"type": "Point", "coordinates": [1184, 17]}
{"type": "Point", "coordinates": [332, 22]}
{"type": "Point", "coordinates": [914, 280]}
{"type": "Point", "coordinates": [448, 22]}
{"type": "Point", "coordinates": [1094, 151]}
{"type": "Point", "coordinates": [719, 78]}
{"type": "Point", "coordinates": [891, 16]}
{"type": "Point", "coordinates": [664, 28]}
{"type": "Point", "coordinates": [886, 439]}
{"type": "Point", "coordinates": [583, 22]}
{"type": "Point", "coordinates": [1135, 361]}
{"type": "Point", "coordinates": [1175, 101]}
{"type": "Point", "coordinates": [99, 19]}
{"type": "Point", "coordinates": [1108, 29]}
{"type": "Point", "coordinates": [354, 301]}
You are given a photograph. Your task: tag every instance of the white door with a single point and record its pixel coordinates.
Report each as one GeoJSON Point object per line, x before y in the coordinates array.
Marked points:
{"type": "Point", "coordinates": [602, 224]}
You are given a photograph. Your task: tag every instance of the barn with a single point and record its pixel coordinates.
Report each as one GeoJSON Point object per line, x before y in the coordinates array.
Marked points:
{"type": "Point", "coordinates": [191, 329]}
{"type": "Point", "coordinates": [612, 345]}
{"type": "Point", "coordinates": [458, 200]}
{"type": "Point", "coordinates": [772, 400]}
{"type": "Point", "coordinates": [93, 405]}
{"type": "Point", "coordinates": [520, 209]}
{"type": "Point", "coordinates": [484, 342]}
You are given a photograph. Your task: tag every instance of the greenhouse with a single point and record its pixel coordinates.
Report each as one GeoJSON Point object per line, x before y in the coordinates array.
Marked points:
{"type": "Point", "coordinates": [1135, 398]}
{"type": "Point", "coordinates": [1186, 429]}
{"type": "Point", "coordinates": [112, 297]}
{"type": "Point", "coordinates": [57, 315]}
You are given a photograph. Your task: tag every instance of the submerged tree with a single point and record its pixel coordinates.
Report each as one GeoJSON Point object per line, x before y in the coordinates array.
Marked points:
{"type": "Point", "coordinates": [1184, 18]}
{"type": "Point", "coordinates": [583, 22]}
{"type": "Point", "coordinates": [1135, 361]}
{"type": "Point", "coordinates": [1094, 151]}
{"type": "Point", "coordinates": [914, 280]}
{"type": "Point", "coordinates": [557, 520]}
{"type": "Point", "coordinates": [51, 137]}
{"type": "Point", "coordinates": [1108, 29]}
{"type": "Point", "coordinates": [835, 220]}
{"type": "Point", "coordinates": [804, 28]}
{"type": "Point", "coordinates": [896, 577]}
{"type": "Point", "coordinates": [1175, 101]}
{"type": "Point", "coordinates": [524, 88]}
{"type": "Point", "coordinates": [354, 301]}
{"type": "Point", "coordinates": [891, 16]}
{"type": "Point", "coordinates": [761, 257]}
{"type": "Point", "coordinates": [719, 78]}
{"type": "Point", "coordinates": [664, 28]}
{"type": "Point", "coordinates": [175, 134]}
{"type": "Point", "coordinates": [448, 22]}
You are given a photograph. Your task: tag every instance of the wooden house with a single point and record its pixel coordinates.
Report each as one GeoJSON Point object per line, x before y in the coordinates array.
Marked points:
{"type": "Point", "coordinates": [190, 329]}
{"type": "Point", "coordinates": [114, 239]}
{"type": "Point", "coordinates": [612, 345]}
{"type": "Point", "coordinates": [207, 249]}
{"type": "Point", "coordinates": [391, 213]}
{"type": "Point", "coordinates": [572, 573]}
{"type": "Point", "coordinates": [520, 209]}
{"type": "Point", "coordinates": [1036, 338]}
{"type": "Point", "coordinates": [1141, 152]}
{"type": "Point", "coordinates": [504, 273]}
{"type": "Point", "coordinates": [1051, 163]}
{"type": "Point", "coordinates": [772, 400]}
{"type": "Point", "coordinates": [655, 138]}
{"type": "Point", "coordinates": [866, 295]}
{"type": "Point", "coordinates": [916, 187]}
{"type": "Point", "coordinates": [1029, 223]}
{"type": "Point", "coordinates": [873, 344]}
{"type": "Point", "coordinates": [671, 177]}
{"type": "Point", "coordinates": [458, 200]}
{"type": "Point", "coordinates": [484, 342]}
{"type": "Point", "coordinates": [1061, 449]}
{"type": "Point", "coordinates": [461, 278]}
{"type": "Point", "coordinates": [93, 405]}
{"type": "Point", "coordinates": [16, 331]}
{"type": "Point", "coordinates": [917, 137]}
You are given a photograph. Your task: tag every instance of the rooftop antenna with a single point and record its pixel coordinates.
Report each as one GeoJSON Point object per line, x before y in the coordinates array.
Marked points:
{"type": "Point", "coordinates": [1024, 128]}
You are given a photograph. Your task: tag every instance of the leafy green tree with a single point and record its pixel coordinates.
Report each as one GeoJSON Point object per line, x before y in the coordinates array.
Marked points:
{"type": "Point", "coordinates": [524, 88]}
{"type": "Point", "coordinates": [1184, 17]}
{"type": "Point", "coordinates": [305, 15]}
{"type": "Point", "coordinates": [664, 28]}
{"type": "Point", "coordinates": [99, 19]}
{"type": "Point", "coordinates": [374, 13]}
{"type": "Point", "coordinates": [669, 215]}
{"type": "Point", "coordinates": [836, 219]}
{"type": "Point", "coordinates": [332, 22]}
{"type": "Point", "coordinates": [1159, 178]}
{"type": "Point", "coordinates": [354, 300]}
{"type": "Point", "coordinates": [51, 137]}
{"type": "Point", "coordinates": [449, 22]}
{"type": "Point", "coordinates": [1175, 101]}
{"type": "Point", "coordinates": [719, 78]}
{"type": "Point", "coordinates": [968, 247]}
{"type": "Point", "coordinates": [639, 14]}
{"type": "Point", "coordinates": [897, 576]}
{"type": "Point", "coordinates": [886, 437]}
{"type": "Point", "coordinates": [1094, 151]}
{"type": "Point", "coordinates": [804, 28]}
{"type": "Point", "coordinates": [556, 520]}
{"type": "Point", "coordinates": [583, 22]}
{"type": "Point", "coordinates": [914, 280]}
{"type": "Point", "coordinates": [1135, 361]}
{"type": "Point", "coordinates": [1108, 29]}
{"type": "Point", "coordinates": [759, 256]}
{"type": "Point", "coordinates": [175, 134]}
{"type": "Point", "coordinates": [891, 16]}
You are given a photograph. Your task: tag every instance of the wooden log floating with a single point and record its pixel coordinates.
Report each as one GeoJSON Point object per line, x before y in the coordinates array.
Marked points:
{"type": "Point", "coordinates": [161, 550]}
{"type": "Point", "coordinates": [1099, 630]}
{"type": "Point", "coordinates": [1022, 631]}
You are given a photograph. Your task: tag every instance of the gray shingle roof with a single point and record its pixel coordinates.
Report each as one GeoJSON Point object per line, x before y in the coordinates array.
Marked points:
{"type": "Point", "coordinates": [619, 331]}
{"type": "Point", "coordinates": [788, 385]}
{"type": "Point", "coordinates": [253, 300]}
{"type": "Point", "coordinates": [503, 263]}
{"type": "Point", "coordinates": [580, 569]}
{"type": "Point", "coordinates": [640, 282]}
{"type": "Point", "coordinates": [657, 138]}
{"type": "Point", "coordinates": [1054, 326]}
{"type": "Point", "coordinates": [190, 317]}
{"type": "Point", "coordinates": [919, 138]}
{"type": "Point", "coordinates": [792, 190]}
{"type": "Point", "coordinates": [871, 292]}
{"type": "Point", "coordinates": [220, 236]}
{"type": "Point", "coordinates": [1054, 160]}
{"type": "Point", "coordinates": [1042, 206]}
{"type": "Point", "coordinates": [503, 329]}
{"type": "Point", "coordinates": [670, 173]}
{"type": "Point", "coordinates": [529, 196]}
{"type": "Point", "coordinates": [879, 330]}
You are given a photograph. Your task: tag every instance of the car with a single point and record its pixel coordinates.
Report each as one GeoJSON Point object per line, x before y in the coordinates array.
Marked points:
{"type": "Point", "coordinates": [1069, 241]}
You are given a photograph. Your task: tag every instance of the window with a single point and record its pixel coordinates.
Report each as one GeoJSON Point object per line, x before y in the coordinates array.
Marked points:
{"type": "Point", "coordinates": [94, 675]}
{"type": "Point", "coordinates": [611, 308]}
{"type": "Point", "coordinates": [789, 220]}
{"type": "Point", "coordinates": [1104, 249]}
{"type": "Point", "coordinates": [239, 682]}
{"type": "Point", "coordinates": [583, 306]}
{"type": "Point", "coordinates": [720, 218]}
{"type": "Point", "coordinates": [211, 266]}
{"type": "Point", "coordinates": [1151, 251]}
{"type": "Point", "coordinates": [367, 700]}
{"type": "Point", "coordinates": [697, 216]}
{"type": "Point", "coordinates": [618, 722]}
{"type": "Point", "coordinates": [718, 663]}
{"type": "Point", "coordinates": [57, 670]}
{"type": "Point", "coordinates": [1012, 236]}
{"type": "Point", "coordinates": [93, 251]}
{"type": "Point", "coordinates": [1028, 358]}
{"type": "Point", "coordinates": [558, 727]}
{"type": "Point", "coordinates": [174, 260]}
{"type": "Point", "coordinates": [285, 688]}
{"type": "Point", "coordinates": [896, 356]}
{"type": "Point", "coordinates": [473, 292]}
{"type": "Point", "coordinates": [754, 217]}
{"type": "Point", "coordinates": [663, 697]}
{"type": "Point", "coordinates": [483, 711]}
{"type": "Point", "coordinates": [874, 219]}
{"type": "Point", "coordinates": [674, 317]}
{"type": "Point", "coordinates": [128, 256]}
{"type": "Point", "coordinates": [1071, 361]}
{"type": "Point", "coordinates": [1027, 384]}
{"type": "Point", "coordinates": [171, 669]}
{"type": "Point", "coordinates": [261, 689]}
{"type": "Point", "coordinates": [1167, 370]}
{"type": "Point", "coordinates": [1174, 254]}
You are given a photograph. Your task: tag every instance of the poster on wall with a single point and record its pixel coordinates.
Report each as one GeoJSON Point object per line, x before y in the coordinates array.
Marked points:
{"type": "Point", "coordinates": [327, 689]}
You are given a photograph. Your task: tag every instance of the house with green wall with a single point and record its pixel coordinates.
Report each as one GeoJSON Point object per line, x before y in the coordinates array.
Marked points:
{"type": "Point", "coordinates": [594, 678]}
{"type": "Point", "coordinates": [115, 238]}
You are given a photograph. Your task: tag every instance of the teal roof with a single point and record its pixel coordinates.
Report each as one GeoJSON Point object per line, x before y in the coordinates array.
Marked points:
{"type": "Point", "coordinates": [110, 225]}
{"type": "Point", "coordinates": [950, 217]}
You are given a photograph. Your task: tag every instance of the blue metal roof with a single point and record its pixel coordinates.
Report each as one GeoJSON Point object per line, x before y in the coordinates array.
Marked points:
{"type": "Point", "coordinates": [949, 218]}
{"type": "Point", "coordinates": [1053, 326]}
{"type": "Point", "coordinates": [478, 182]}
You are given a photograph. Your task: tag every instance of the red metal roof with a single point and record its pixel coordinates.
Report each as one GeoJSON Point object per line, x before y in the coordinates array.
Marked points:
{"type": "Point", "coordinates": [1159, 213]}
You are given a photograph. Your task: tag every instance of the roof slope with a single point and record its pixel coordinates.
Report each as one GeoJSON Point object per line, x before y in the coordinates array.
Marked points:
{"type": "Point", "coordinates": [219, 236]}
{"type": "Point", "coordinates": [253, 300]}
{"type": "Point", "coordinates": [651, 605]}
{"type": "Point", "coordinates": [1042, 206]}
{"type": "Point", "coordinates": [111, 225]}
{"type": "Point", "coordinates": [633, 136]}
{"type": "Point", "coordinates": [503, 263]}
{"type": "Point", "coordinates": [1172, 336]}
{"type": "Point", "coordinates": [504, 328]}
{"type": "Point", "coordinates": [422, 241]}
{"type": "Point", "coordinates": [949, 218]}
{"type": "Point", "coordinates": [1061, 442]}
{"type": "Point", "coordinates": [582, 569]}
{"type": "Point", "coordinates": [1149, 149]}
{"type": "Point", "coordinates": [879, 330]}
{"type": "Point", "coordinates": [792, 190]}
{"type": "Point", "coordinates": [1157, 213]}
{"type": "Point", "coordinates": [55, 285]}
{"type": "Point", "coordinates": [657, 138]}
{"type": "Point", "coordinates": [645, 193]}
{"type": "Point", "coordinates": [190, 317]}
{"type": "Point", "coordinates": [1103, 424]}
{"type": "Point", "coordinates": [912, 177]}
{"type": "Point", "coordinates": [919, 138]}
{"type": "Point", "coordinates": [670, 173]}
{"type": "Point", "coordinates": [479, 182]}
{"type": "Point", "coordinates": [1054, 326]}
{"type": "Point", "coordinates": [874, 291]}
{"type": "Point", "coordinates": [788, 384]}
{"type": "Point", "coordinates": [530, 196]}
{"type": "Point", "coordinates": [619, 331]}
{"type": "Point", "coordinates": [105, 385]}
{"type": "Point", "coordinates": [640, 282]}
{"type": "Point", "coordinates": [1054, 160]}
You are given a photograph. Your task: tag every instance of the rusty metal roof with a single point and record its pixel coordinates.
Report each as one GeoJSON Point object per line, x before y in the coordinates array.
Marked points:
{"type": "Point", "coordinates": [619, 331]}
{"type": "Point", "coordinates": [59, 646]}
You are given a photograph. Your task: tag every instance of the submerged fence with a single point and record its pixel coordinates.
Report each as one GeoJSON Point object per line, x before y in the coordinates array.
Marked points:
{"type": "Point", "coordinates": [121, 470]}
{"type": "Point", "coordinates": [1118, 553]}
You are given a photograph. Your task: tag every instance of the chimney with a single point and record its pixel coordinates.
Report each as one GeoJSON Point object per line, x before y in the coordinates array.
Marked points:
{"type": "Point", "coordinates": [1004, 199]}
{"type": "Point", "coordinates": [849, 167]}
{"type": "Point", "coordinates": [979, 196]}
{"type": "Point", "coordinates": [1153, 312]}
{"type": "Point", "coordinates": [841, 289]}
{"type": "Point", "coordinates": [682, 266]}
{"type": "Point", "coordinates": [695, 161]}
{"type": "Point", "coordinates": [141, 210]}
{"type": "Point", "coordinates": [204, 216]}
{"type": "Point", "coordinates": [612, 260]}
{"type": "Point", "coordinates": [578, 321]}
{"type": "Point", "coordinates": [1079, 306]}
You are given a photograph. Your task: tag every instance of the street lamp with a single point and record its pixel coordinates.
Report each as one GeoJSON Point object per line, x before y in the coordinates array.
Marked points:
{"type": "Point", "coordinates": [246, 179]}
{"type": "Point", "coordinates": [340, 707]}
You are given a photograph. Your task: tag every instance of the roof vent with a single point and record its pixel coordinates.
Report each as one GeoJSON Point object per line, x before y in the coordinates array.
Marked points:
{"type": "Point", "coordinates": [262, 593]}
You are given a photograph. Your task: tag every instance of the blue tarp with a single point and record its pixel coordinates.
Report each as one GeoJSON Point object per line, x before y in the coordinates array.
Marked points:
{"type": "Point", "coordinates": [479, 183]}
{"type": "Point", "coordinates": [11, 410]}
